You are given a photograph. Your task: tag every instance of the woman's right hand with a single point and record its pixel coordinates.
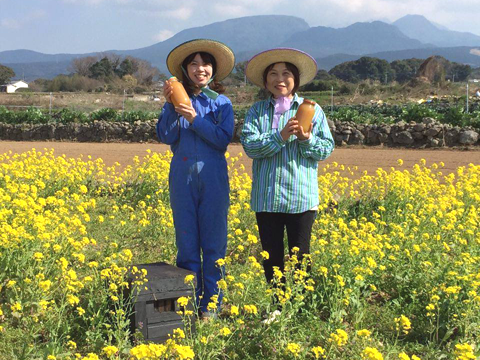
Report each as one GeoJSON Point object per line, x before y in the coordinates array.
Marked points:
{"type": "Point", "coordinates": [167, 91]}
{"type": "Point", "coordinates": [290, 129]}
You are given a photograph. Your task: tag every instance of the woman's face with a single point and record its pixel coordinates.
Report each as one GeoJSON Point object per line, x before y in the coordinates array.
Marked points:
{"type": "Point", "coordinates": [280, 81]}
{"type": "Point", "coordinates": [199, 72]}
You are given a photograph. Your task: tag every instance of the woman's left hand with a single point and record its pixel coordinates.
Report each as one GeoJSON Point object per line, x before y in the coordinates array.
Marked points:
{"type": "Point", "coordinates": [304, 135]}
{"type": "Point", "coordinates": [187, 111]}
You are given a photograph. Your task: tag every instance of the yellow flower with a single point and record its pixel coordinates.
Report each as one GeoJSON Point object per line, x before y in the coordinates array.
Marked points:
{"type": "Point", "coordinates": [265, 255]}
{"type": "Point", "coordinates": [234, 310]}
{"type": "Point", "coordinates": [222, 284]}
{"type": "Point", "coordinates": [220, 262]}
{"type": "Point", "coordinates": [184, 352]}
{"type": "Point", "coordinates": [16, 307]}
{"type": "Point", "coordinates": [72, 299]}
{"type": "Point", "coordinates": [178, 333]}
{"type": "Point", "coordinates": [80, 311]}
{"type": "Point", "coordinates": [225, 331]}
{"type": "Point", "coordinates": [250, 309]}
{"type": "Point", "coordinates": [318, 352]}
{"type": "Point", "coordinates": [403, 324]}
{"type": "Point", "coordinates": [340, 337]}
{"type": "Point", "coordinates": [189, 278]}
{"type": "Point", "coordinates": [182, 301]}
{"type": "Point", "coordinates": [293, 348]}
{"type": "Point", "coordinates": [464, 352]}
{"type": "Point", "coordinates": [38, 256]}
{"type": "Point", "coordinates": [370, 353]}
{"type": "Point", "coordinates": [110, 350]}
{"type": "Point", "coordinates": [364, 333]}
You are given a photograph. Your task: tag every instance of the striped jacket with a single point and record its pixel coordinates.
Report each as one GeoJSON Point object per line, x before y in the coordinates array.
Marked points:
{"type": "Point", "coordinates": [284, 172]}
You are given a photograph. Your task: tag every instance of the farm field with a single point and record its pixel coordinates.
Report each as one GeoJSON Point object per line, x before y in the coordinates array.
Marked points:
{"type": "Point", "coordinates": [394, 258]}
{"type": "Point", "coordinates": [365, 158]}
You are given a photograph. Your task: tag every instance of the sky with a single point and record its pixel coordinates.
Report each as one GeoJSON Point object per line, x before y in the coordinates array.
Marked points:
{"type": "Point", "coordinates": [82, 26]}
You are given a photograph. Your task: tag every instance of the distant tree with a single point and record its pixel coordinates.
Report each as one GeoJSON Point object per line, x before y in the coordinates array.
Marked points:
{"type": "Point", "coordinates": [6, 74]}
{"type": "Point", "coordinates": [145, 74]}
{"type": "Point", "coordinates": [130, 82]}
{"type": "Point", "coordinates": [39, 85]}
{"type": "Point", "coordinates": [113, 68]}
{"type": "Point", "coordinates": [81, 66]}
{"type": "Point", "coordinates": [72, 83]}
{"type": "Point", "coordinates": [102, 69]}
{"type": "Point", "coordinates": [238, 73]}
{"type": "Point", "coordinates": [458, 72]}
{"type": "Point", "coordinates": [365, 68]}
{"type": "Point", "coordinates": [127, 67]}
{"type": "Point", "coordinates": [405, 70]}
{"type": "Point", "coordinates": [323, 75]}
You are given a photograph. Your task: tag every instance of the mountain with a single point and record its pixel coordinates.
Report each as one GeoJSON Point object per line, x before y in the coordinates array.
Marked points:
{"type": "Point", "coordinates": [29, 56]}
{"type": "Point", "coordinates": [245, 36]}
{"type": "Point", "coordinates": [36, 70]}
{"type": "Point", "coordinates": [359, 38]}
{"type": "Point", "coordinates": [418, 27]}
{"type": "Point", "coordinates": [461, 54]}
{"type": "Point", "coordinates": [410, 36]}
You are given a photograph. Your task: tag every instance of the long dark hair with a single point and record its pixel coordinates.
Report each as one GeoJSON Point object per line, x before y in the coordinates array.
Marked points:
{"type": "Point", "coordinates": [292, 68]}
{"type": "Point", "coordinates": [207, 59]}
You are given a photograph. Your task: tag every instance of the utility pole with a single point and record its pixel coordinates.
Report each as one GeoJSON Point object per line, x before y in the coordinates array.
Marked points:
{"type": "Point", "coordinates": [123, 104]}
{"type": "Point", "coordinates": [331, 106]}
{"type": "Point", "coordinates": [467, 96]}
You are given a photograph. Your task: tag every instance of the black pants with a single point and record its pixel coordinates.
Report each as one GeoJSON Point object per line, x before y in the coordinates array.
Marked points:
{"type": "Point", "coordinates": [271, 227]}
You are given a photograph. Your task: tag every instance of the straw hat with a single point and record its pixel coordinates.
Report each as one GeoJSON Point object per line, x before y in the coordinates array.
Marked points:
{"type": "Point", "coordinates": [306, 65]}
{"type": "Point", "coordinates": [222, 53]}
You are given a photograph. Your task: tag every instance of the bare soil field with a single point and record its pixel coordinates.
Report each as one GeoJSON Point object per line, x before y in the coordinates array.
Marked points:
{"type": "Point", "coordinates": [368, 159]}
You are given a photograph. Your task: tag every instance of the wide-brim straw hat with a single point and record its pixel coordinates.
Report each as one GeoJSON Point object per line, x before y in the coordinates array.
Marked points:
{"type": "Point", "coordinates": [223, 55]}
{"type": "Point", "coordinates": [306, 65]}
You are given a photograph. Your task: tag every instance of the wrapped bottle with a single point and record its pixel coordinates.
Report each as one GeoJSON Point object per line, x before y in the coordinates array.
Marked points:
{"type": "Point", "coordinates": [179, 95]}
{"type": "Point", "coordinates": [305, 114]}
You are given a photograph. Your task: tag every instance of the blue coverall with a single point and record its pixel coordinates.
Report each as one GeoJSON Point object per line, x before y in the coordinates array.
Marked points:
{"type": "Point", "coordinates": [199, 188]}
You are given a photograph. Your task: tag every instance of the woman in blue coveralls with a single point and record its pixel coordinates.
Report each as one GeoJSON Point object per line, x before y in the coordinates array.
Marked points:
{"type": "Point", "coordinates": [198, 179]}
{"type": "Point", "coordinates": [285, 156]}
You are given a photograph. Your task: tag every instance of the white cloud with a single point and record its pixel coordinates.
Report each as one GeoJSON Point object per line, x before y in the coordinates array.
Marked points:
{"type": "Point", "coordinates": [19, 23]}
{"type": "Point", "coordinates": [183, 13]}
{"type": "Point", "coordinates": [230, 11]}
{"type": "Point", "coordinates": [163, 35]}
{"type": "Point", "coordinates": [246, 8]}
{"type": "Point", "coordinates": [10, 23]}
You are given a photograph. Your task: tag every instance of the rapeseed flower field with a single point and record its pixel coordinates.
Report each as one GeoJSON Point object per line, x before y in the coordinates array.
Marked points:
{"type": "Point", "coordinates": [395, 265]}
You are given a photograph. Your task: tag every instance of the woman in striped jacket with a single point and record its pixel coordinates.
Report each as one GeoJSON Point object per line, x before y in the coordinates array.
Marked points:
{"type": "Point", "coordinates": [285, 156]}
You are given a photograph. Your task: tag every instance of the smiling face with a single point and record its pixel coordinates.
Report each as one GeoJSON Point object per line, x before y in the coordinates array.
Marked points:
{"type": "Point", "coordinates": [280, 80]}
{"type": "Point", "coordinates": [199, 71]}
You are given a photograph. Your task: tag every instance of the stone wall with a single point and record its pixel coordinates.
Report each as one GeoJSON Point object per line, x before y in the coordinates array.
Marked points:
{"type": "Point", "coordinates": [428, 133]}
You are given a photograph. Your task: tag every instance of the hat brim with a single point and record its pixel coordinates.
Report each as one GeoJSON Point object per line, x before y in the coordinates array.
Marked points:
{"type": "Point", "coordinates": [306, 65]}
{"type": "Point", "coordinates": [223, 55]}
